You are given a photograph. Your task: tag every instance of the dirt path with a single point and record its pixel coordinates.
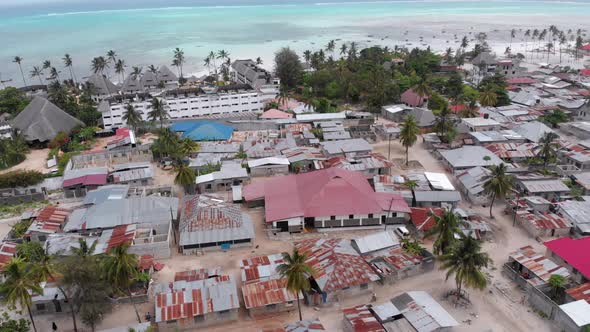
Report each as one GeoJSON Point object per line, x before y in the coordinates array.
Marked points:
{"type": "Point", "coordinates": [36, 160]}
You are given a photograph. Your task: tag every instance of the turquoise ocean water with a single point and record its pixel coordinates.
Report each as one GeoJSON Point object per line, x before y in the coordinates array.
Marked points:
{"type": "Point", "coordinates": [145, 32]}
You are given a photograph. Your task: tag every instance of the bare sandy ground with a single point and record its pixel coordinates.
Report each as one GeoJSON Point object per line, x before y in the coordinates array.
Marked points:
{"type": "Point", "coordinates": [36, 160]}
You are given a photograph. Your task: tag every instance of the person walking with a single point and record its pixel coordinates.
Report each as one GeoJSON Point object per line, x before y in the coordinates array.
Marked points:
{"type": "Point", "coordinates": [54, 326]}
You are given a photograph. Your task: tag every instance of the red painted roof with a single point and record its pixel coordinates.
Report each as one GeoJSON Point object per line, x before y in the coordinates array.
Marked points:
{"type": "Point", "coordinates": [87, 180]}
{"type": "Point", "coordinates": [7, 251]}
{"type": "Point", "coordinates": [121, 234]}
{"type": "Point", "coordinates": [585, 47]}
{"type": "Point", "coordinates": [327, 192]}
{"type": "Point", "coordinates": [575, 252]}
{"type": "Point", "coordinates": [457, 108]}
{"type": "Point", "coordinates": [585, 72]}
{"type": "Point", "coordinates": [521, 80]}
{"type": "Point", "coordinates": [145, 262]}
{"type": "Point", "coordinates": [362, 320]}
{"type": "Point", "coordinates": [275, 114]}
{"type": "Point", "coordinates": [411, 98]}
{"type": "Point", "coordinates": [423, 218]}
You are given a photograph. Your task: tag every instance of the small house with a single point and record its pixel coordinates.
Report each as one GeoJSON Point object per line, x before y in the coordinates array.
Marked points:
{"type": "Point", "coordinates": [411, 98]}
{"type": "Point", "coordinates": [270, 166]}
{"type": "Point", "coordinates": [230, 174]}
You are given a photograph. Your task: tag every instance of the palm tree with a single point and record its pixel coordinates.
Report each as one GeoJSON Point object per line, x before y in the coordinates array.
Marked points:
{"type": "Point", "coordinates": [185, 176]}
{"type": "Point", "coordinates": [488, 98]}
{"type": "Point", "coordinates": [470, 111]}
{"type": "Point", "coordinates": [422, 89]}
{"type": "Point", "coordinates": [208, 64]}
{"type": "Point", "coordinates": [212, 57]}
{"type": "Point", "coordinates": [445, 228]}
{"type": "Point", "coordinates": [132, 117]}
{"type": "Point", "coordinates": [120, 270]}
{"type": "Point", "coordinates": [297, 272]}
{"type": "Point", "coordinates": [527, 35]}
{"type": "Point", "coordinates": [258, 61]}
{"type": "Point", "coordinates": [54, 74]}
{"type": "Point", "coordinates": [409, 134]}
{"type": "Point", "coordinates": [331, 45]}
{"type": "Point", "coordinates": [562, 41]}
{"type": "Point", "coordinates": [83, 250]}
{"type": "Point", "coordinates": [547, 148]}
{"type": "Point", "coordinates": [99, 65]}
{"type": "Point", "coordinates": [498, 184]}
{"type": "Point", "coordinates": [68, 63]}
{"type": "Point", "coordinates": [179, 57]}
{"type": "Point", "coordinates": [18, 60]}
{"type": "Point", "coordinates": [19, 286]}
{"type": "Point", "coordinates": [343, 49]}
{"type": "Point", "coordinates": [136, 72]}
{"type": "Point", "coordinates": [112, 56]}
{"type": "Point", "coordinates": [222, 55]}
{"type": "Point", "coordinates": [557, 283]}
{"type": "Point", "coordinates": [352, 50]}
{"type": "Point", "coordinates": [120, 68]}
{"type": "Point", "coordinates": [465, 261]}
{"type": "Point", "coordinates": [188, 146]}
{"type": "Point", "coordinates": [464, 42]}
{"type": "Point", "coordinates": [158, 112]}
{"type": "Point", "coordinates": [152, 69]}
{"type": "Point", "coordinates": [512, 36]}
{"type": "Point", "coordinates": [37, 72]}
{"type": "Point", "coordinates": [307, 56]}
{"type": "Point", "coordinates": [44, 268]}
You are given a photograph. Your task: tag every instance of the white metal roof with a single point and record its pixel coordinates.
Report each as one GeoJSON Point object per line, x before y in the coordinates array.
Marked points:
{"type": "Point", "coordinates": [439, 181]}
{"type": "Point", "coordinates": [578, 311]}
{"type": "Point", "coordinates": [278, 160]}
{"type": "Point", "coordinates": [320, 116]}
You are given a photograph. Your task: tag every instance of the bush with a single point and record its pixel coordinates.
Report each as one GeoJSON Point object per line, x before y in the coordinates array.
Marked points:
{"type": "Point", "coordinates": [16, 179]}
{"type": "Point", "coordinates": [59, 140]}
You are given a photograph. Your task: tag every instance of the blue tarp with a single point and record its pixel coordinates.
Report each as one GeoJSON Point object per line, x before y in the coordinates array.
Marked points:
{"type": "Point", "coordinates": [203, 130]}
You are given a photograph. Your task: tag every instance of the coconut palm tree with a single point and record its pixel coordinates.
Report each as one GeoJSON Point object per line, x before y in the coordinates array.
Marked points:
{"type": "Point", "coordinates": [213, 57]}
{"type": "Point", "coordinates": [445, 228]}
{"type": "Point", "coordinates": [307, 56]}
{"type": "Point", "coordinates": [258, 61]}
{"type": "Point", "coordinates": [112, 56]}
{"type": "Point", "coordinates": [470, 111]}
{"type": "Point", "coordinates": [180, 60]}
{"type": "Point", "coordinates": [37, 72]}
{"type": "Point", "coordinates": [422, 89]}
{"type": "Point", "coordinates": [132, 117]}
{"type": "Point", "coordinates": [18, 60]}
{"type": "Point", "coordinates": [185, 176]}
{"type": "Point", "coordinates": [120, 270]}
{"type": "Point", "coordinates": [99, 65]}
{"type": "Point", "coordinates": [120, 69]}
{"type": "Point", "coordinates": [68, 63]}
{"type": "Point", "coordinates": [54, 74]}
{"type": "Point", "coordinates": [409, 134]}
{"type": "Point", "coordinates": [44, 268]}
{"type": "Point", "coordinates": [136, 72]}
{"type": "Point", "coordinates": [464, 42]}
{"type": "Point", "coordinates": [19, 286]}
{"type": "Point", "coordinates": [562, 41]}
{"type": "Point", "coordinates": [297, 272]}
{"type": "Point", "coordinates": [352, 50]}
{"type": "Point", "coordinates": [188, 146]}
{"type": "Point", "coordinates": [207, 63]}
{"type": "Point", "coordinates": [547, 148]}
{"type": "Point", "coordinates": [158, 112]}
{"type": "Point", "coordinates": [557, 283]}
{"type": "Point", "coordinates": [498, 184]}
{"type": "Point", "coordinates": [512, 36]}
{"type": "Point", "coordinates": [527, 35]}
{"type": "Point", "coordinates": [466, 262]}
{"type": "Point", "coordinates": [343, 49]}
{"type": "Point", "coordinates": [331, 46]}
{"type": "Point", "coordinates": [488, 98]}
{"type": "Point", "coordinates": [152, 69]}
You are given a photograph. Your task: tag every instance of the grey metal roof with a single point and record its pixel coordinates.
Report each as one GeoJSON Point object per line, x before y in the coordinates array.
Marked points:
{"type": "Point", "coordinates": [423, 312]}
{"type": "Point", "coordinates": [346, 146]}
{"type": "Point", "coordinates": [132, 210]}
{"type": "Point", "coordinates": [228, 170]}
{"type": "Point", "coordinates": [533, 131]}
{"type": "Point", "coordinates": [470, 156]}
{"type": "Point", "coordinates": [104, 193]}
{"type": "Point", "coordinates": [545, 186]}
{"type": "Point", "coordinates": [41, 120]}
{"type": "Point", "coordinates": [207, 219]}
{"type": "Point", "coordinates": [437, 196]}
{"type": "Point", "coordinates": [336, 135]}
{"type": "Point", "coordinates": [376, 241]}
{"type": "Point", "coordinates": [129, 172]}
{"type": "Point", "coordinates": [79, 172]}
{"type": "Point", "coordinates": [473, 179]}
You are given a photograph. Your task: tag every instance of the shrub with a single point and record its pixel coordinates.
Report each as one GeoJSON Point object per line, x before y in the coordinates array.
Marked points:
{"type": "Point", "coordinates": [20, 179]}
{"type": "Point", "coordinates": [59, 140]}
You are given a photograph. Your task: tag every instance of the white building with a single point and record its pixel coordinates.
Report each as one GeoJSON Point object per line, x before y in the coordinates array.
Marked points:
{"type": "Point", "coordinates": [184, 103]}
